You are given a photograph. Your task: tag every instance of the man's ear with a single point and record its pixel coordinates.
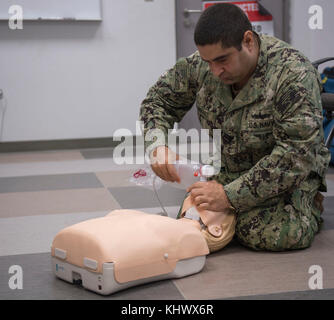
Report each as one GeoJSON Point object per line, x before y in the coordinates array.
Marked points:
{"type": "Point", "coordinates": [248, 40]}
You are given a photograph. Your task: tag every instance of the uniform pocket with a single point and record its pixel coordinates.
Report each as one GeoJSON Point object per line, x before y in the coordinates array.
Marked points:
{"type": "Point", "coordinates": [257, 143]}
{"type": "Point", "coordinates": [255, 139]}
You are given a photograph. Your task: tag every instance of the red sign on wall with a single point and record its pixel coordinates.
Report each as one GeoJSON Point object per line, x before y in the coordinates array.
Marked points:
{"type": "Point", "coordinates": [261, 23]}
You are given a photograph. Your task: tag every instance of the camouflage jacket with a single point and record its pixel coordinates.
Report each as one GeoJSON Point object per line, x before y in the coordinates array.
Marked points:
{"type": "Point", "coordinates": [272, 135]}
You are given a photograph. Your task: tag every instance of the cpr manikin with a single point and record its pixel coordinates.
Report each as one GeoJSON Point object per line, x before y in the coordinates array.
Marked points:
{"type": "Point", "coordinates": [129, 247]}
{"type": "Point", "coordinates": [216, 227]}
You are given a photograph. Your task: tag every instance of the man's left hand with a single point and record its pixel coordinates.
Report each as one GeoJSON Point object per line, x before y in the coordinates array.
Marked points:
{"type": "Point", "coordinates": [209, 195]}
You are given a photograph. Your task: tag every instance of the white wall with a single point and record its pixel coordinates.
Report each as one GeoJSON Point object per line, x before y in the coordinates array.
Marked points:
{"type": "Point", "coordinates": [315, 44]}
{"type": "Point", "coordinates": [84, 79]}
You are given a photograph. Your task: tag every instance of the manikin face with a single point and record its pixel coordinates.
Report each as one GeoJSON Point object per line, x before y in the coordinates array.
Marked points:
{"type": "Point", "coordinates": [230, 65]}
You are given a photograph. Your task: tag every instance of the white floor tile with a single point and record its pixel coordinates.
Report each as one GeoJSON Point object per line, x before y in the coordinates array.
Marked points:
{"type": "Point", "coordinates": [61, 167]}
{"type": "Point", "coordinates": [34, 234]}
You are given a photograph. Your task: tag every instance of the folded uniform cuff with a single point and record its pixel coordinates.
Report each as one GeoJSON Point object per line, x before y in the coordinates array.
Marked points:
{"type": "Point", "coordinates": [239, 195]}
{"type": "Point", "coordinates": [153, 139]}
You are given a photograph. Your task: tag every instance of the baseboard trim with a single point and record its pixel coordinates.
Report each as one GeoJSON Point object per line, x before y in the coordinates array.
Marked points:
{"type": "Point", "coordinates": [49, 145]}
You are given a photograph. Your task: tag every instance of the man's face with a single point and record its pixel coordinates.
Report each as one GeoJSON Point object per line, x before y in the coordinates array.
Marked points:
{"type": "Point", "coordinates": [230, 65]}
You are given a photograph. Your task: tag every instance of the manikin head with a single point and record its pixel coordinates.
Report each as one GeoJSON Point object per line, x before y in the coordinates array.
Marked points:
{"type": "Point", "coordinates": [224, 38]}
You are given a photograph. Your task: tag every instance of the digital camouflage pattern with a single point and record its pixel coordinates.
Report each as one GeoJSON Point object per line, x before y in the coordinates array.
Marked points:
{"type": "Point", "coordinates": [273, 155]}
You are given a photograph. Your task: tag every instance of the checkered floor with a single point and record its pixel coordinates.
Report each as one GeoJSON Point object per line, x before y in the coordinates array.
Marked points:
{"type": "Point", "coordinates": [43, 192]}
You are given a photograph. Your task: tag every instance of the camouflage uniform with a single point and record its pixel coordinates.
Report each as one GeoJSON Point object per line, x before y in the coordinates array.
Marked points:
{"type": "Point", "coordinates": [273, 155]}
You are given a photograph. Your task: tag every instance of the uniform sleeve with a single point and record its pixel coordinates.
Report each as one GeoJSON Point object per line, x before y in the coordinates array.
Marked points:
{"type": "Point", "coordinates": [168, 100]}
{"type": "Point", "coordinates": [298, 142]}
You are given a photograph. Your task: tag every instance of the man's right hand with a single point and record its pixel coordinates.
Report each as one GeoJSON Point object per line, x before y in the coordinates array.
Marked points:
{"type": "Point", "coordinates": [162, 163]}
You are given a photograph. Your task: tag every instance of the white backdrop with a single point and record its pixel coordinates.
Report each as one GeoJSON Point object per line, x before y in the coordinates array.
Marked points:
{"type": "Point", "coordinates": [69, 80]}
{"type": "Point", "coordinates": [54, 9]}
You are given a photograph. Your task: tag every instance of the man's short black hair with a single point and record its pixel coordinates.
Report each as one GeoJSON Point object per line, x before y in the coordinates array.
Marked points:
{"type": "Point", "coordinates": [223, 22]}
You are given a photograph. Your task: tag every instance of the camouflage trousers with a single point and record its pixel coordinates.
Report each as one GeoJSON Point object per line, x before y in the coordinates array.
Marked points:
{"type": "Point", "coordinates": [289, 224]}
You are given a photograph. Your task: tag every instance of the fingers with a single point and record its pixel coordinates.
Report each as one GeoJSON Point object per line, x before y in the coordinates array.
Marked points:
{"type": "Point", "coordinates": [166, 172]}
{"type": "Point", "coordinates": [162, 164]}
{"type": "Point", "coordinates": [199, 196]}
{"type": "Point", "coordinates": [209, 195]}
{"type": "Point", "coordinates": [203, 206]}
{"type": "Point", "coordinates": [158, 170]}
{"type": "Point", "coordinates": [161, 171]}
{"type": "Point", "coordinates": [172, 173]}
{"type": "Point", "coordinates": [197, 186]}
{"type": "Point", "coordinates": [200, 201]}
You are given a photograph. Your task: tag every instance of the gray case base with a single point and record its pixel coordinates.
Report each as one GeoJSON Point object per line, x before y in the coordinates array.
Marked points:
{"type": "Point", "coordinates": [105, 283]}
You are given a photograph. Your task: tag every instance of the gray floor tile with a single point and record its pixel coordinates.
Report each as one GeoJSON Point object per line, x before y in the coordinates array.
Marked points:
{"type": "Point", "coordinates": [44, 156]}
{"type": "Point", "coordinates": [329, 205]}
{"type": "Point", "coordinates": [18, 204]}
{"type": "Point", "coordinates": [323, 294]}
{"type": "Point", "coordinates": [24, 169]}
{"type": "Point", "coordinates": [140, 197]}
{"type": "Point", "coordinates": [40, 230]}
{"type": "Point", "coordinates": [330, 169]}
{"type": "Point", "coordinates": [328, 223]}
{"type": "Point", "coordinates": [330, 187]}
{"type": "Point", "coordinates": [97, 153]}
{"type": "Point", "coordinates": [328, 214]}
{"type": "Point", "coordinates": [39, 283]}
{"type": "Point", "coordinates": [236, 271]}
{"type": "Point", "coordinates": [49, 182]}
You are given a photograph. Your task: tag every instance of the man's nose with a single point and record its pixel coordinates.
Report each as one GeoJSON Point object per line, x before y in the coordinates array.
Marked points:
{"type": "Point", "coordinates": [216, 69]}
